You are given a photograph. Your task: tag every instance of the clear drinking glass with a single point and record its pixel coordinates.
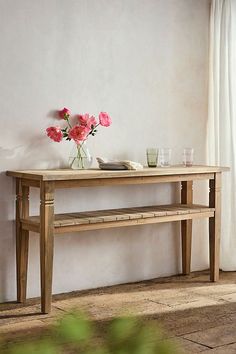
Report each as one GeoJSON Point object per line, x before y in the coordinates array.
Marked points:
{"type": "Point", "coordinates": [165, 157]}
{"type": "Point", "coordinates": [188, 157]}
{"type": "Point", "coordinates": [152, 155]}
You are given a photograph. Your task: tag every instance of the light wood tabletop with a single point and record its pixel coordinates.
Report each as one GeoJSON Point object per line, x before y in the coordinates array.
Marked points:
{"type": "Point", "coordinates": [62, 174]}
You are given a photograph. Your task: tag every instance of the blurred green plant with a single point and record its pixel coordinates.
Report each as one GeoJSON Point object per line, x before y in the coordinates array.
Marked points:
{"type": "Point", "coordinates": [75, 333]}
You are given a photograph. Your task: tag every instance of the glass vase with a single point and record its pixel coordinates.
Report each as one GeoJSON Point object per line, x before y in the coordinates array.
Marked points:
{"type": "Point", "coordinates": [80, 157]}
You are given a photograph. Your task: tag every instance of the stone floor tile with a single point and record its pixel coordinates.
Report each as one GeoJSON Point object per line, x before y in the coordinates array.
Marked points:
{"type": "Point", "coordinates": [214, 337]}
{"type": "Point", "coordinates": [229, 297]}
{"type": "Point", "coordinates": [197, 319]}
{"type": "Point", "coordinates": [105, 308]}
{"type": "Point", "coordinates": [25, 314]}
{"type": "Point", "coordinates": [180, 300]}
{"type": "Point", "coordinates": [26, 327]}
{"type": "Point", "coordinates": [216, 290]}
{"type": "Point", "coordinates": [188, 346]}
{"type": "Point", "coordinates": [226, 349]}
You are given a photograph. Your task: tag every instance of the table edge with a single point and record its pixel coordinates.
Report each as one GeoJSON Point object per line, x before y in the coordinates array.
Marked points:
{"type": "Point", "coordinates": [114, 174]}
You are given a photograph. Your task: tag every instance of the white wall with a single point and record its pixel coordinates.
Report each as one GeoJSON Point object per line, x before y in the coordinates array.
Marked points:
{"type": "Point", "coordinates": [143, 61]}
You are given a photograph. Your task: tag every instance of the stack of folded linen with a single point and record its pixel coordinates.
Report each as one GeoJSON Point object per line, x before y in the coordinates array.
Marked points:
{"type": "Point", "coordinates": [105, 164]}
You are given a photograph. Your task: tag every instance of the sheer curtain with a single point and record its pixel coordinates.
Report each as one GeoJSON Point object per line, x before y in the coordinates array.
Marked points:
{"type": "Point", "coordinates": [222, 117]}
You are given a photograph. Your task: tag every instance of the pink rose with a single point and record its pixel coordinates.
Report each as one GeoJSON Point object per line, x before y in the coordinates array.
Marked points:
{"type": "Point", "coordinates": [83, 118]}
{"type": "Point", "coordinates": [91, 121]}
{"type": "Point", "coordinates": [64, 113]}
{"type": "Point", "coordinates": [87, 121]}
{"type": "Point", "coordinates": [104, 119]}
{"type": "Point", "coordinates": [54, 133]}
{"type": "Point", "coordinates": [78, 133]}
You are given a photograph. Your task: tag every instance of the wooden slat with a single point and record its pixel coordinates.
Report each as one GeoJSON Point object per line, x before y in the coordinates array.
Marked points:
{"type": "Point", "coordinates": [132, 222]}
{"type": "Point", "coordinates": [130, 215]}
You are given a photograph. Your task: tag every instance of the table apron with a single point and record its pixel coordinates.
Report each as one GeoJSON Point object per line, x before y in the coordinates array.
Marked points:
{"type": "Point", "coordinates": [131, 180]}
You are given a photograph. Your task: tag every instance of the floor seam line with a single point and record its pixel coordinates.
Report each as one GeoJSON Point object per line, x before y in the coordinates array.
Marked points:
{"type": "Point", "coordinates": [192, 341]}
{"type": "Point", "coordinates": [159, 303]}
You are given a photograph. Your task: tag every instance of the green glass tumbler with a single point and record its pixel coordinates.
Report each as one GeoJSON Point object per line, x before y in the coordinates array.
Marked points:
{"type": "Point", "coordinates": [152, 156]}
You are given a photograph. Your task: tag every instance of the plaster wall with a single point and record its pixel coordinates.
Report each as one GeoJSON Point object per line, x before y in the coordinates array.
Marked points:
{"type": "Point", "coordinates": [143, 61]}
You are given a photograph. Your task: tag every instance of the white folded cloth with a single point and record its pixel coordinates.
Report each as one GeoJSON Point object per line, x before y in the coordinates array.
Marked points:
{"type": "Point", "coordinates": [106, 164]}
{"type": "Point", "coordinates": [132, 165]}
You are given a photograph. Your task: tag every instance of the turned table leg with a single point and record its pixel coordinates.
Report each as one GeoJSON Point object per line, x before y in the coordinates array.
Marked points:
{"type": "Point", "coordinates": [22, 239]}
{"type": "Point", "coordinates": [46, 243]}
{"type": "Point", "coordinates": [186, 227]}
{"type": "Point", "coordinates": [215, 226]}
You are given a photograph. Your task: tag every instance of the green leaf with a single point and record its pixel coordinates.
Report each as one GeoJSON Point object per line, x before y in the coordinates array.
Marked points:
{"type": "Point", "coordinates": [75, 328]}
{"type": "Point", "coordinates": [40, 347]}
{"type": "Point", "coordinates": [122, 328]}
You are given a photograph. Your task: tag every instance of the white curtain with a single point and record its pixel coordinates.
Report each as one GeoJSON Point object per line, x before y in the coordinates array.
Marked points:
{"type": "Point", "coordinates": [222, 117]}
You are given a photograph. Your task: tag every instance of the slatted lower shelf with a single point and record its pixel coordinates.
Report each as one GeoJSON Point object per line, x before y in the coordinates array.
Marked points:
{"type": "Point", "coordinates": [102, 219]}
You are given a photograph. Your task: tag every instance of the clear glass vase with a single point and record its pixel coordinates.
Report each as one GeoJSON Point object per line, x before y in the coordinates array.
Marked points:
{"type": "Point", "coordinates": [80, 157]}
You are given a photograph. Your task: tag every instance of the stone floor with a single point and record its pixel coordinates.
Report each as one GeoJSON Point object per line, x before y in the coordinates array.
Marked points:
{"type": "Point", "coordinates": [198, 315]}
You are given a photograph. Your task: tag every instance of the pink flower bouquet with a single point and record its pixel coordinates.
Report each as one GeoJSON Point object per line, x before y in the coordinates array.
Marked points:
{"type": "Point", "coordinates": [85, 126]}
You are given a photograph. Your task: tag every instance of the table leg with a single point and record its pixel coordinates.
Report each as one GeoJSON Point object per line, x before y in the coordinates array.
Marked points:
{"type": "Point", "coordinates": [22, 239]}
{"type": "Point", "coordinates": [46, 243]}
{"type": "Point", "coordinates": [215, 226]}
{"type": "Point", "coordinates": [186, 227]}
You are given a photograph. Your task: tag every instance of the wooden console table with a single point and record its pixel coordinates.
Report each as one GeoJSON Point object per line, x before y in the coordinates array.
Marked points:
{"type": "Point", "coordinates": [47, 224]}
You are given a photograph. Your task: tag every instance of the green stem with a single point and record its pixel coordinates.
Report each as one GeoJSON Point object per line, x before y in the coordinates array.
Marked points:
{"type": "Point", "coordinates": [79, 155]}
{"type": "Point", "coordinates": [68, 122]}
{"type": "Point", "coordinates": [72, 162]}
{"type": "Point", "coordinates": [91, 132]}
